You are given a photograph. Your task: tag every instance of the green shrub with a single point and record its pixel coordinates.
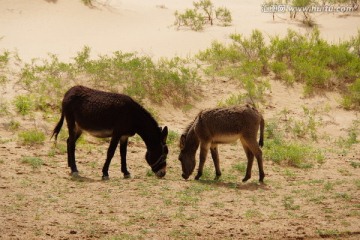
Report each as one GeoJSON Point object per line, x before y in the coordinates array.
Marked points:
{"type": "Point", "coordinates": [352, 98]}
{"type": "Point", "coordinates": [173, 138]}
{"type": "Point", "coordinates": [4, 58]}
{"type": "Point", "coordinates": [173, 80]}
{"type": "Point", "coordinates": [4, 108]}
{"type": "Point", "coordinates": [87, 3]}
{"type": "Point", "coordinates": [244, 60]}
{"type": "Point", "coordinates": [233, 100]}
{"type": "Point", "coordinates": [203, 13]}
{"type": "Point", "coordinates": [351, 138]}
{"type": "Point", "coordinates": [286, 149]}
{"type": "Point", "coordinates": [292, 153]}
{"type": "Point", "coordinates": [223, 15]}
{"type": "Point", "coordinates": [24, 104]}
{"type": "Point", "coordinates": [31, 137]}
{"type": "Point", "coordinates": [13, 125]}
{"type": "Point", "coordinates": [190, 18]}
{"type": "Point", "coordinates": [34, 162]}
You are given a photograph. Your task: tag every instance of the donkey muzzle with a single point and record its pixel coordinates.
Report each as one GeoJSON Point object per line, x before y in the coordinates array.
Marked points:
{"type": "Point", "coordinates": [185, 176]}
{"type": "Point", "coordinates": [161, 173]}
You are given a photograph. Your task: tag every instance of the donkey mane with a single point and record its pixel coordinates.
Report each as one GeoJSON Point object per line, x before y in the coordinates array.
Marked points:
{"type": "Point", "coordinates": [187, 129]}
{"type": "Point", "coordinates": [147, 113]}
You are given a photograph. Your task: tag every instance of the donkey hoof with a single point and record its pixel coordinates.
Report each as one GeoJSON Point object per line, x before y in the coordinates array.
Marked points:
{"type": "Point", "coordinates": [245, 179]}
{"type": "Point", "coordinates": [197, 177]}
{"type": "Point", "coordinates": [75, 174]}
{"type": "Point", "coordinates": [127, 176]}
{"type": "Point", "coordinates": [105, 178]}
{"type": "Point", "coordinates": [217, 178]}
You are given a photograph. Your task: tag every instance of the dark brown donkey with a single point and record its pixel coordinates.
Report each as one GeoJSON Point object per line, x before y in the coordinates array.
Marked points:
{"type": "Point", "coordinates": [104, 114]}
{"type": "Point", "coordinates": [218, 126]}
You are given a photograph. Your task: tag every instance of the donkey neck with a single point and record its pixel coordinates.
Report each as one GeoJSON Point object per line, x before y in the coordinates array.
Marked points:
{"type": "Point", "coordinates": [147, 128]}
{"type": "Point", "coordinates": [192, 142]}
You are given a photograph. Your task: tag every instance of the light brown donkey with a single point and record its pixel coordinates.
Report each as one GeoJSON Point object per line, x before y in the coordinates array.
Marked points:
{"type": "Point", "coordinates": [218, 126]}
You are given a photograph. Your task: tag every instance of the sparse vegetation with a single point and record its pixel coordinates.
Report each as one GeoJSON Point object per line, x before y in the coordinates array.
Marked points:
{"type": "Point", "coordinates": [313, 62]}
{"type": "Point", "coordinates": [139, 76]}
{"type": "Point", "coordinates": [87, 3]}
{"type": "Point", "coordinates": [34, 162]}
{"type": "Point", "coordinates": [31, 137]}
{"type": "Point", "coordinates": [287, 143]}
{"type": "Point", "coordinates": [203, 13]}
{"type": "Point", "coordinates": [307, 9]}
{"type": "Point", "coordinates": [23, 104]}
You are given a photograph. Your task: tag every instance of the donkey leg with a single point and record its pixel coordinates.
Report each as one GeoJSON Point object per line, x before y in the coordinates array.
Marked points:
{"type": "Point", "coordinates": [71, 155]}
{"type": "Point", "coordinates": [215, 157]}
{"type": "Point", "coordinates": [250, 158]}
{"type": "Point", "coordinates": [259, 159]}
{"type": "Point", "coordinates": [71, 141]}
{"type": "Point", "coordinates": [203, 154]}
{"type": "Point", "coordinates": [110, 153]}
{"type": "Point", "coordinates": [123, 150]}
{"type": "Point", "coordinates": [256, 150]}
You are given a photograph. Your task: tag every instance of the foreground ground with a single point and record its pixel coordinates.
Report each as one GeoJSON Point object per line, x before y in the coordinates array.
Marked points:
{"type": "Point", "coordinates": [44, 202]}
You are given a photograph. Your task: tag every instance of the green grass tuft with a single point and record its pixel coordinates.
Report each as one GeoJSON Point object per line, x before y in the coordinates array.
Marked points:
{"type": "Point", "coordinates": [34, 162]}
{"type": "Point", "coordinates": [31, 137]}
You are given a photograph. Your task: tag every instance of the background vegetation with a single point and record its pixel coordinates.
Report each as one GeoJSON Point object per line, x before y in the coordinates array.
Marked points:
{"type": "Point", "coordinates": [306, 59]}
{"type": "Point", "coordinates": [304, 8]}
{"type": "Point", "coordinates": [250, 62]}
{"type": "Point", "coordinates": [203, 13]}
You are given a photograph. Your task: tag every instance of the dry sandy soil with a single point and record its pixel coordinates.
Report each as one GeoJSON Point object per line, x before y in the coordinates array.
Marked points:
{"type": "Point", "coordinates": [46, 203]}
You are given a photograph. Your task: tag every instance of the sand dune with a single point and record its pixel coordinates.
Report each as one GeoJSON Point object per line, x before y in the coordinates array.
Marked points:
{"type": "Point", "coordinates": [37, 27]}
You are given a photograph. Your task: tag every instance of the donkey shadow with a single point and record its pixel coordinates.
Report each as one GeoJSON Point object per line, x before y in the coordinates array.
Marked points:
{"type": "Point", "coordinates": [78, 178]}
{"type": "Point", "coordinates": [251, 186]}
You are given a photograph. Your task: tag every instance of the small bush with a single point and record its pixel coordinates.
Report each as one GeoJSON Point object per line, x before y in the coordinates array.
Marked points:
{"type": "Point", "coordinates": [291, 154]}
{"type": "Point", "coordinates": [13, 125]}
{"type": "Point", "coordinates": [4, 107]}
{"type": "Point", "coordinates": [203, 13]}
{"type": "Point", "coordinates": [24, 104]}
{"type": "Point", "coordinates": [351, 138]}
{"type": "Point", "coordinates": [233, 100]}
{"type": "Point", "coordinates": [31, 137]}
{"type": "Point", "coordinates": [287, 150]}
{"type": "Point", "coordinates": [87, 3]}
{"type": "Point", "coordinates": [190, 18]}
{"type": "Point", "coordinates": [224, 16]}
{"type": "Point", "coordinates": [351, 99]}
{"type": "Point", "coordinates": [34, 162]}
{"type": "Point", "coordinates": [245, 60]}
{"type": "Point", "coordinates": [173, 138]}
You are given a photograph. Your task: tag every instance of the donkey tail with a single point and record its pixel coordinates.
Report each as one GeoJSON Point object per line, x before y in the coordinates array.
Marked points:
{"type": "Point", "coordinates": [58, 127]}
{"type": "Point", "coordinates": [262, 125]}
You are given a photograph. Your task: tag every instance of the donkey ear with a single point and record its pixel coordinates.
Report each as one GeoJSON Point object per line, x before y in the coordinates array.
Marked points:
{"type": "Point", "coordinates": [164, 134]}
{"type": "Point", "coordinates": [182, 141]}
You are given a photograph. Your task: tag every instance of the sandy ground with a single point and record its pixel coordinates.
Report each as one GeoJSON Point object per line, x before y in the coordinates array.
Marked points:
{"type": "Point", "coordinates": [37, 27]}
{"type": "Point", "coordinates": [45, 203]}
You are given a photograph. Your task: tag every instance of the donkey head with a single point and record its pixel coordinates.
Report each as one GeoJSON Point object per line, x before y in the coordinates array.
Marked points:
{"type": "Point", "coordinates": [156, 157]}
{"type": "Point", "coordinates": [188, 149]}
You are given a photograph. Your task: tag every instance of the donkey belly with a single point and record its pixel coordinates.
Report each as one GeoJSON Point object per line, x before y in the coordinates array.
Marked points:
{"type": "Point", "coordinates": [223, 139]}
{"type": "Point", "coordinates": [100, 133]}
